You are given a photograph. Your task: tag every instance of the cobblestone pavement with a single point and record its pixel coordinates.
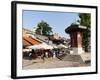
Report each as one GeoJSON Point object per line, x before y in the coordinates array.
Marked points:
{"type": "Point", "coordinates": [50, 63]}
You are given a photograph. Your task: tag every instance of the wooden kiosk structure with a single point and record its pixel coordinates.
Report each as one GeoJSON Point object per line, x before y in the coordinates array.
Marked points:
{"type": "Point", "coordinates": [76, 31]}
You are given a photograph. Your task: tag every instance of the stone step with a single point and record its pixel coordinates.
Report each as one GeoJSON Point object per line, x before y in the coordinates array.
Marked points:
{"type": "Point", "coordinates": [74, 58]}
{"type": "Point", "coordinates": [86, 57]}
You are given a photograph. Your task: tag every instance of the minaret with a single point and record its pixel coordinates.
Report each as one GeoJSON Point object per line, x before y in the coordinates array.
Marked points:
{"type": "Point", "coordinates": [34, 29]}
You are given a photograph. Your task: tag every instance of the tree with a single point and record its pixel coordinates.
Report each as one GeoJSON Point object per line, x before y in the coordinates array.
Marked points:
{"type": "Point", "coordinates": [86, 21]}
{"type": "Point", "coordinates": [43, 28]}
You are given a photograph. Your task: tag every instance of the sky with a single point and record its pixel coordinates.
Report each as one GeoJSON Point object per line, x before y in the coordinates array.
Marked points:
{"type": "Point", "coordinates": [59, 21]}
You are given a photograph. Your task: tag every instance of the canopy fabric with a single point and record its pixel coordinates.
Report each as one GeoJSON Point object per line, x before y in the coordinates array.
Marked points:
{"type": "Point", "coordinates": [41, 46]}
{"type": "Point", "coordinates": [26, 50]}
{"type": "Point", "coordinates": [54, 46]}
{"type": "Point", "coordinates": [62, 46]}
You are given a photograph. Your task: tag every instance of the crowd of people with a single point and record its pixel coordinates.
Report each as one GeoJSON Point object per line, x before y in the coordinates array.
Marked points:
{"type": "Point", "coordinates": [42, 53]}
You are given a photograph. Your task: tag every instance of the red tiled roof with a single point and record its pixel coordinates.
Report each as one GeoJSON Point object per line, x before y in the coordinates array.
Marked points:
{"type": "Point", "coordinates": [28, 40]}
{"type": "Point", "coordinates": [26, 43]}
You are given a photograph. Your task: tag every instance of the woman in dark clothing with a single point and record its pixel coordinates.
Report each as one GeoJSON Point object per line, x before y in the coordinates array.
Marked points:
{"type": "Point", "coordinates": [42, 54]}
{"type": "Point", "coordinates": [33, 54]}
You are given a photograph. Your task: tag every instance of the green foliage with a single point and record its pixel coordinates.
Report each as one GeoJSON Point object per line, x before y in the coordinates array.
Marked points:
{"type": "Point", "coordinates": [86, 21]}
{"type": "Point", "coordinates": [43, 28]}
